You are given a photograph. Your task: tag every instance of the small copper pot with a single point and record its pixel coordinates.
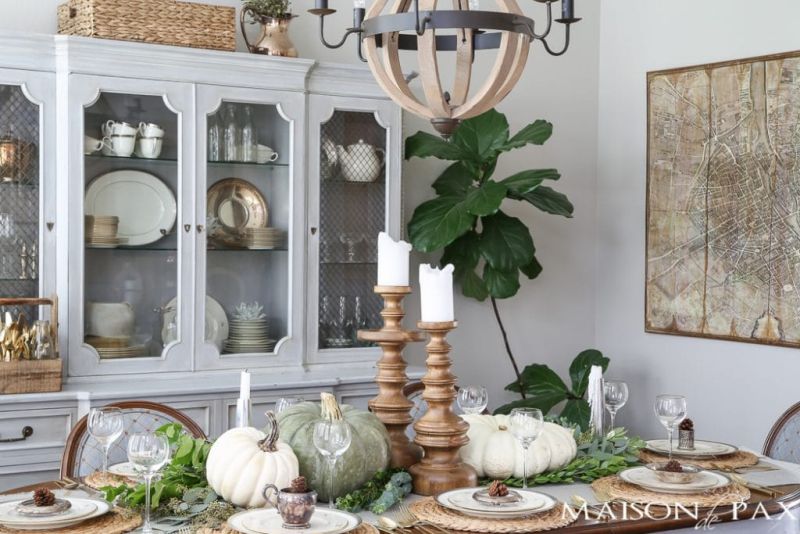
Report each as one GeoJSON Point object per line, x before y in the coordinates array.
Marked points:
{"type": "Point", "coordinates": [296, 509]}
{"type": "Point", "coordinates": [15, 158]}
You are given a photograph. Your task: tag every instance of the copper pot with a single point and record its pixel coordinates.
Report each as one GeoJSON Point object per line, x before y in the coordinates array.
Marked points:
{"type": "Point", "coordinates": [274, 38]}
{"type": "Point", "coordinates": [15, 158]}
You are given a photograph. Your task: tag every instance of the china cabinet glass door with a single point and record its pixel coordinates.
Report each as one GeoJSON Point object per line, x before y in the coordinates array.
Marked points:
{"type": "Point", "coordinates": [133, 251]}
{"type": "Point", "coordinates": [251, 197]}
{"type": "Point", "coordinates": [351, 142]}
{"type": "Point", "coordinates": [27, 212]}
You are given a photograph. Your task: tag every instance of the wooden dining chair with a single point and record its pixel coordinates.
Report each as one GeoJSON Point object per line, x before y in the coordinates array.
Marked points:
{"type": "Point", "coordinates": [783, 440]}
{"type": "Point", "coordinates": [84, 455]}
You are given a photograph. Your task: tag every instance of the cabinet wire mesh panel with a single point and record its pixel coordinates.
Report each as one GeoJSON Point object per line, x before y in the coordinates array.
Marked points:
{"type": "Point", "coordinates": [19, 197]}
{"type": "Point", "coordinates": [352, 213]}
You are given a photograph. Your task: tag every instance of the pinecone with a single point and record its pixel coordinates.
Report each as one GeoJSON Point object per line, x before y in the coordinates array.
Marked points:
{"type": "Point", "coordinates": [43, 497]}
{"type": "Point", "coordinates": [673, 466]}
{"type": "Point", "coordinates": [498, 489]}
{"type": "Point", "coordinates": [686, 424]}
{"type": "Point", "coordinates": [299, 485]}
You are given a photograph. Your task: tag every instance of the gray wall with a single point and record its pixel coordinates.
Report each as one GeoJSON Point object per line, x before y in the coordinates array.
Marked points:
{"type": "Point", "coordinates": [735, 390]}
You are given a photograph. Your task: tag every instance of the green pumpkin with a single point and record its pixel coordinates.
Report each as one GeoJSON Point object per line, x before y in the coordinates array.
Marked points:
{"type": "Point", "coordinates": [368, 453]}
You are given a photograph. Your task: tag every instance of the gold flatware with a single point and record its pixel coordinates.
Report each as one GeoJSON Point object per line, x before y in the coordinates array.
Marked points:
{"type": "Point", "coordinates": [741, 481]}
{"type": "Point", "coordinates": [404, 515]}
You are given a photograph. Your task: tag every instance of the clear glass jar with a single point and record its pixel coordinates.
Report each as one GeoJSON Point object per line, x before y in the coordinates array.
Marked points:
{"type": "Point", "coordinates": [248, 149]}
{"type": "Point", "coordinates": [43, 342]}
{"type": "Point", "coordinates": [214, 140]}
{"type": "Point", "coordinates": [231, 135]}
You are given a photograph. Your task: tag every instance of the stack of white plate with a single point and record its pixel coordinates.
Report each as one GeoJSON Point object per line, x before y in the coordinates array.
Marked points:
{"type": "Point", "coordinates": [464, 502]}
{"type": "Point", "coordinates": [133, 351]}
{"type": "Point", "coordinates": [80, 510]}
{"type": "Point", "coordinates": [263, 238]}
{"type": "Point", "coordinates": [249, 336]}
{"type": "Point", "coordinates": [101, 231]}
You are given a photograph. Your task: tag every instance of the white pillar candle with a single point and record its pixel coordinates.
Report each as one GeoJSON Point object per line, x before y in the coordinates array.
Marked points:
{"type": "Point", "coordinates": [392, 261]}
{"type": "Point", "coordinates": [436, 293]}
{"type": "Point", "coordinates": [244, 386]}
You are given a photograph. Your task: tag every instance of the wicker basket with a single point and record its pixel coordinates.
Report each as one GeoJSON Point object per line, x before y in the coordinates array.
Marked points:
{"type": "Point", "coordinates": [33, 376]}
{"type": "Point", "coordinates": [168, 22]}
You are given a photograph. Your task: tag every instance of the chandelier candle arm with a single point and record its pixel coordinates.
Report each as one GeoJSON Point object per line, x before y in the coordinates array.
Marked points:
{"type": "Point", "coordinates": [390, 405]}
{"type": "Point", "coordinates": [440, 432]}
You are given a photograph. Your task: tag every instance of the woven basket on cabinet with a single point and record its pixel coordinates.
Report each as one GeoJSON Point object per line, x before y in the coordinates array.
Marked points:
{"type": "Point", "coordinates": [168, 22]}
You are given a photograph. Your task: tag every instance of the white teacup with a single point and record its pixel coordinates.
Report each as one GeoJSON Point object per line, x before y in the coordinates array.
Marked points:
{"type": "Point", "coordinates": [119, 145]}
{"type": "Point", "coordinates": [149, 129]}
{"type": "Point", "coordinates": [265, 154]}
{"type": "Point", "coordinates": [149, 147]}
{"type": "Point", "coordinates": [118, 128]}
{"type": "Point", "coordinates": [109, 319]}
{"type": "Point", "coordinates": [91, 144]}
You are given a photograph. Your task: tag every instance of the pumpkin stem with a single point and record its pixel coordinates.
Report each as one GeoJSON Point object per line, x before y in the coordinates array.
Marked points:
{"type": "Point", "coordinates": [330, 408]}
{"type": "Point", "coordinates": [268, 443]}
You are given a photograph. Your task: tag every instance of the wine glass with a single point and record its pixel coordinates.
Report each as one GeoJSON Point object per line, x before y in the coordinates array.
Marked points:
{"type": "Point", "coordinates": [105, 425]}
{"type": "Point", "coordinates": [148, 453]}
{"type": "Point", "coordinates": [284, 403]}
{"type": "Point", "coordinates": [332, 439]}
{"type": "Point", "coordinates": [473, 399]}
{"type": "Point", "coordinates": [526, 425]}
{"type": "Point", "coordinates": [616, 395]}
{"type": "Point", "coordinates": [670, 410]}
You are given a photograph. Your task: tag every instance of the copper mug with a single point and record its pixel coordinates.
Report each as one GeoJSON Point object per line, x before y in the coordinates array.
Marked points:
{"type": "Point", "coordinates": [15, 158]}
{"type": "Point", "coordinates": [296, 509]}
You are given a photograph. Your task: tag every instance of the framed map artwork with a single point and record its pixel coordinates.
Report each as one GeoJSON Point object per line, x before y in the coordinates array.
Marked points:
{"type": "Point", "coordinates": [723, 201]}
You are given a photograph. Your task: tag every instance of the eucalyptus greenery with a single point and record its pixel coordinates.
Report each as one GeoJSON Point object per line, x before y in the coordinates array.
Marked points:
{"type": "Point", "coordinates": [269, 8]}
{"type": "Point", "coordinates": [598, 456]}
{"type": "Point", "coordinates": [466, 220]}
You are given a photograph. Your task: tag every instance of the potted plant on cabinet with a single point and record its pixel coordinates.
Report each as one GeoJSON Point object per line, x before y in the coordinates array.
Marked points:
{"type": "Point", "coordinates": [274, 17]}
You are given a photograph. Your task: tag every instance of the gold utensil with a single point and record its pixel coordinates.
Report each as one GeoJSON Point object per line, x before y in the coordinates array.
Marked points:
{"type": "Point", "coordinates": [404, 515]}
{"type": "Point", "coordinates": [756, 487]}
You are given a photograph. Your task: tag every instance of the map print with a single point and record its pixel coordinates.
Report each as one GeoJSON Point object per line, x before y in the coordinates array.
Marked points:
{"type": "Point", "coordinates": [723, 201]}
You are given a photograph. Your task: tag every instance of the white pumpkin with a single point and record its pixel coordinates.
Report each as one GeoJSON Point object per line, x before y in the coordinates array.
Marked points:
{"type": "Point", "coordinates": [244, 460]}
{"type": "Point", "coordinates": [495, 453]}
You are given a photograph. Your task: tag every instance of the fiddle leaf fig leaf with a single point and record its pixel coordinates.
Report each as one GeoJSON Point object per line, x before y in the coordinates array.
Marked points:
{"type": "Point", "coordinates": [577, 411]}
{"type": "Point", "coordinates": [500, 284]}
{"type": "Point", "coordinates": [486, 199]}
{"type": "Point", "coordinates": [506, 242]}
{"type": "Point", "coordinates": [424, 145]}
{"type": "Point", "coordinates": [532, 270]}
{"type": "Point", "coordinates": [472, 285]}
{"type": "Point", "coordinates": [536, 133]}
{"type": "Point", "coordinates": [464, 253]}
{"type": "Point", "coordinates": [542, 385]}
{"type": "Point", "coordinates": [438, 222]}
{"type": "Point", "coordinates": [550, 201]}
{"type": "Point", "coordinates": [581, 366]}
{"type": "Point", "coordinates": [526, 181]}
{"type": "Point", "coordinates": [483, 136]}
{"type": "Point", "coordinates": [455, 180]}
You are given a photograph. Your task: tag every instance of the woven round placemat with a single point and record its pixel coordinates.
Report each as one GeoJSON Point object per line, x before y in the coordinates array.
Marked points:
{"type": "Point", "coordinates": [116, 522]}
{"type": "Point", "coordinates": [429, 510]}
{"type": "Point", "coordinates": [733, 461]}
{"type": "Point", "coordinates": [363, 528]}
{"type": "Point", "coordinates": [99, 479]}
{"type": "Point", "coordinates": [614, 487]}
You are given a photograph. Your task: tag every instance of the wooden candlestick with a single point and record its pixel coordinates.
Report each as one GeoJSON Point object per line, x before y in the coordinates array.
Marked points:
{"type": "Point", "coordinates": [440, 432]}
{"type": "Point", "coordinates": [391, 405]}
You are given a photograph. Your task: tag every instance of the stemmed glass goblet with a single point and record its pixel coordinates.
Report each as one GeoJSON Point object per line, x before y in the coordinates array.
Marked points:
{"type": "Point", "coordinates": [615, 393]}
{"type": "Point", "coordinates": [332, 439]}
{"type": "Point", "coordinates": [105, 425]}
{"type": "Point", "coordinates": [526, 425]}
{"type": "Point", "coordinates": [148, 453]}
{"type": "Point", "coordinates": [284, 403]}
{"type": "Point", "coordinates": [670, 410]}
{"type": "Point", "coordinates": [472, 399]}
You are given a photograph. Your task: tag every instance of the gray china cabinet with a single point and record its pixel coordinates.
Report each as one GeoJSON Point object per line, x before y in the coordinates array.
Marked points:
{"type": "Point", "coordinates": [198, 213]}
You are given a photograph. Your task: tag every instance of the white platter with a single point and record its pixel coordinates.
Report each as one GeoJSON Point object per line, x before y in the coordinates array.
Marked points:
{"type": "Point", "coordinates": [216, 322]}
{"type": "Point", "coordinates": [702, 449]}
{"type": "Point", "coordinates": [460, 500]}
{"type": "Point", "coordinates": [144, 204]}
{"type": "Point", "coordinates": [80, 511]}
{"type": "Point", "coordinates": [263, 521]}
{"type": "Point", "coordinates": [647, 479]}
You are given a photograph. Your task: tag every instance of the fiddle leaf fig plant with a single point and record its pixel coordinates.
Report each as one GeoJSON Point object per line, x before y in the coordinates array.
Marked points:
{"type": "Point", "coordinates": [488, 248]}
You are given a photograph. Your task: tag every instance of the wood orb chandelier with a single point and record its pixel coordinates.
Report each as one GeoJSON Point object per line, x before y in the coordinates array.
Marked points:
{"type": "Point", "coordinates": [390, 26]}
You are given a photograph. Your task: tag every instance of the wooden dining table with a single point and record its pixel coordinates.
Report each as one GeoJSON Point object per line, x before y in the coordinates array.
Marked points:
{"type": "Point", "coordinates": [750, 518]}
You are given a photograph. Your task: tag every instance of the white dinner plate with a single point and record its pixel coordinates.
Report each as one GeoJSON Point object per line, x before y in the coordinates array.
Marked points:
{"type": "Point", "coordinates": [461, 500]}
{"type": "Point", "coordinates": [145, 205]}
{"type": "Point", "coordinates": [701, 449]}
{"type": "Point", "coordinates": [124, 469]}
{"type": "Point", "coordinates": [647, 479]}
{"type": "Point", "coordinates": [268, 521]}
{"type": "Point", "coordinates": [216, 322]}
{"type": "Point", "coordinates": [80, 511]}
